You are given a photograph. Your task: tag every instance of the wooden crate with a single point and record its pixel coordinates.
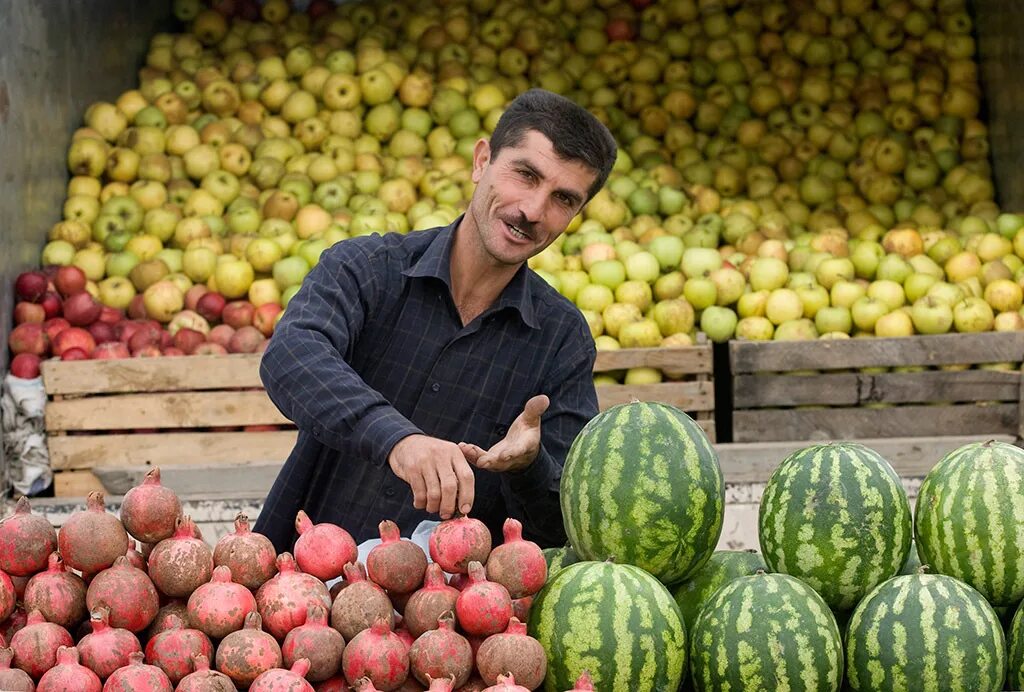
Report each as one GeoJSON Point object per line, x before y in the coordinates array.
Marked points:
{"type": "Point", "coordinates": [817, 390]}
{"type": "Point", "coordinates": [694, 392]}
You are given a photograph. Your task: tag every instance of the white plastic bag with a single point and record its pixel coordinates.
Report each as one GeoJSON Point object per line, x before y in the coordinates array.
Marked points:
{"type": "Point", "coordinates": [22, 403]}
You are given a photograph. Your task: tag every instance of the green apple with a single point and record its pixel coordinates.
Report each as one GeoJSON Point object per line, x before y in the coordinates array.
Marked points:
{"type": "Point", "coordinates": [719, 323]}
{"type": "Point", "coordinates": [290, 271]}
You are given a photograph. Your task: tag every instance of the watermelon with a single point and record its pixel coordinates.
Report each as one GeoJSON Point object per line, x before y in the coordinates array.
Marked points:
{"type": "Point", "coordinates": [616, 622]}
{"type": "Point", "coordinates": [1016, 650]}
{"type": "Point", "coordinates": [766, 632]}
{"type": "Point", "coordinates": [642, 486]}
{"type": "Point", "coordinates": [722, 568]}
{"type": "Point", "coordinates": [969, 519]}
{"type": "Point", "coordinates": [836, 517]}
{"type": "Point", "coordinates": [925, 632]}
{"type": "Point", "coordinates": [559, 558]}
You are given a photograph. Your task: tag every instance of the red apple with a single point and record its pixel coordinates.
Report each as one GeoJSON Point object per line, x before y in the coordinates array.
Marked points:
{"type": "Point", "coordinates": [73, 337]}
{"type": "Point", "coordinates": [110, 350]}
{"type": "Point", "coordinates": [619, 30]}
{"type": "Point", "coordinates": [111, 315]}
{"type": "Point", "coordinates": [210, 305]}
{"type": "Point", "coordinates": [263, 346]}
{"type": "Point", "coordinates": [245, 340]}
{"type": "Point", "coordinates": [26, 366]}
{"type": "Point", "coordinates": [25, 311]}
{"type": "Point", "coordinates": [31, 286]}
{"type": "Point", "coordinates": [54, 326]}
{"type": "Point", "coordinates": [102, 332]}
{"type": "Point", "coordinates": [238, 314]}
{"type": "Point", "coordinates": [221, 334]}
{"type": "Point", "coordinates": [69, 280]}
{"type": "Point", "coordinates": [173, 351]}
{"type": "Point", "coordinates": [28, 338]}
{"type": "Point", "coordinates": [150, 351]}
{"type": "Point", "coordinates": [165, 339]}
{"type": "Point", "coordinates": [137, 308]}
{"type": "Point", "coordinates": [209, 349]}
{"type": "Point", "coordinates": [81, 309]}
{"type": "Point", "coordinates": [193, 295]}
{"type": "Point", "coordinates": [74, 354]}
{"type": "Point", "coordinates": [145, 335]}
{"type": "Point", "coordinates": [124, 331]}
{"type": "Point", "coordinates": [264, 319]}
{"type": "Point", "coordinates": [188, 339]}
{"type": "Point", "coordinates": [52, 304]}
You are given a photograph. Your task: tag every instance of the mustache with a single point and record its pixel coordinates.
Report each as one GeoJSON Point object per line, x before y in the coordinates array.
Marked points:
{"type": "Point", "coordinates": [522, 223]}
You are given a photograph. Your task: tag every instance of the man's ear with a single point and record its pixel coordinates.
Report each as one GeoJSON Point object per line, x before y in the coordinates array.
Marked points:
{"type": "Point", "coordinates": [481, 157]}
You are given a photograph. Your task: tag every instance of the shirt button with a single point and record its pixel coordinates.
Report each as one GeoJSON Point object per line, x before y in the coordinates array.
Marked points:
{"type": "Point", "coordinates": [390, 492]}
{"type": "Point", "coordinates": [435, 387]}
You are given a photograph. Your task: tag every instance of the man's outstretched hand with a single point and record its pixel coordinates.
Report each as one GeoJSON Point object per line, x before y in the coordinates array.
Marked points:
{"type": "Point", "coordinates": [438, 473]}
{"type": "Point", "coordinates": [519, 447]}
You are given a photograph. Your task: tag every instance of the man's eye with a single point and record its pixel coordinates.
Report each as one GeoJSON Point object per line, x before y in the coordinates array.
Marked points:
{"type": "Point", "coordinates": [527, 174]}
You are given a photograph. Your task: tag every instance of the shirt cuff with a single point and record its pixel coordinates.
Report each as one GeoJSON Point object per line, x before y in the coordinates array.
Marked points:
{"type": "Point", "coordinates": [377, 432]}
{"type": "Point", "coordinates": [542, 476]}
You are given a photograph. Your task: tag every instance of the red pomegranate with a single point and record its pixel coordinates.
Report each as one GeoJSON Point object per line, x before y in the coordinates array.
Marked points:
{"type": "Point", "coordinates": [396, 564]}
{"type": "Point", "coordinates": [13, 679]}
{"type": "Point", "coordinates": [425, 606]}
{"type": "Point", "coordinates": [442, 685]}
{"type": "Point", "coordinates": [506, 683]}
{"type": "Point", "coordinates": [149, 511]}
{"type": "Point", "coordinates": [459, 581]}
{"type": "Point", "coordinates": [173, 649]}
{"type": "Point", "coordinates": [26, 541]}
{"type": "Point", "coordinates": [583, 683]}
{"type": "Point", "coordinates": [35, 645]}
{"type": "Point", "coordinates": [285, 598]}
{"type": "Point", "coordinates": [69, 674]}
{"type": "Point", "coordinates": [484, 607]}
{"type": "Point", "coordinates": [106, 648]}
{"type": "Point", "coordinates": [204, 679]}
{"type": "Point", "coordinates": [8, 596]}
{"type": "Point", "coordinates": [316, 641]}
{"type": "Point", "coordinates": [517, 564]}
{"type": "Point", "coordinates": [360, 685]}
{"type": "Point", "coordinates": [513, 652]}
{"type": "Point", "coordinates": [377, 653]}
{"type": "Point", "coordinates": [90, 541]}
{"type": "Point", "coordinates": [323, 550]}
{"type": "Point", "coordinates": [251, 556]}
{"type": "Point", "coordinates": [338, 683]}
{"type": "Point", "coordinates": [13, 624]}
{"type": "Point", "coordinates": [127, 592]}
{"type": "Point", "coordinates": [359, 604]}
{"type": "Point", "coordinates": [475, 684]}
{"type": "Point", "coordinates": [403, 632]}
{"type": "Point", "coordinates": [57, 593]}
{"type": "Point", "coordinates": [168, 617]}
{"type": "Point", "coordinates": [138, 677]}
{"type": "Point", "coordinates": [134, 555]}
{"type": "Point", "coordinates": [182, 563]}
{"type": "Point", "coordinates": [19, 586]}
{"type": "Point", "coordinates": [521, 608]}
{"type": "Point", "coordinates": [398, 599]}
{"type": "Point", "coordinates": [281, 680]}
{"type": "Point", "coordinates": [441, 653]}
{"type": "Point", "coordinates": [247, 653]}
{"type": "Point", "coordinates": [457, 542]}
{"type": "Point", "coordinates": [220, 606]}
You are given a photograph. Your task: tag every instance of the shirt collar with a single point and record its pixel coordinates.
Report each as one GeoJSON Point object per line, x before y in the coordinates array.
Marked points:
{"type": "Point", "coordinates": [436, 262]}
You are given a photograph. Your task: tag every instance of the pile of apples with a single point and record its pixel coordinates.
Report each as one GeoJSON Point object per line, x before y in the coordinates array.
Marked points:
{"type": "Point", "coordinates": [787, 169]}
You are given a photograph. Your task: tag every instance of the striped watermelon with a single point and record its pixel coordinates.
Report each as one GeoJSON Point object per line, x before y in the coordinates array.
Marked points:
{"type": "Point", "coordinates": [925, 632]}
{"type": "Point", "coordinates": [559, 558]}
{"type": "Point", "coordinates": [616, 622]}
{"type": "Point", "coordinates": [722, 568]}
{"type": "Point", "coordinates": [837, 517]}
{"type": "Point", "coordinates": [642, 486]}
{"type": "Point", "coordinates": [766, 632]}
{"type": "Point", "coordinates": [969, 519]}
{"type": "Point", "coordinates": [1016, 650]}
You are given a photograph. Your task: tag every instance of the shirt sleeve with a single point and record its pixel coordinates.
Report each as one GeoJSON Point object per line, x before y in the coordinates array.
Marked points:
{"type": "Point", "coordinates": [304, 368]}
{"type": "Point", "coordinates": [532, 495]}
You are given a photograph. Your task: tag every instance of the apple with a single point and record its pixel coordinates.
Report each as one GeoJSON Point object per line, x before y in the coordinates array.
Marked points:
{"type": "Point", "coordinates": [1008, 322]}
{"type": "Point", "coordinates": [187, 340]}
{"type": "Point", "coordinates": [700, 292]}
{"type": "Point", "coordinates": [289, 271]}
{"type": "Point", "coordinates": [834, 269]}
{"type": "Point", "coordinates": [148, 351]}
{"type": "Point", "coordinates": [641, 334]}
{"type": "Point", "coordinates": [801, 329]}
{"type": "Point", "coordinates": [768, 274]}
{"type": "Point", "coordinates": [844, 293]}
{"type": "Point", "coordinates": [193, 295]}
{"type": "Point", "coordinates": [973, 314]}
{"type": "Point", "coordinates": [813, 298]}
{"type": "Point", "coordinates": [833, 319]}
{"type": "Point", "coordinates": [608, 273]}
{"type": "Point", "coordinates": [700, 261]}
{"type": "Point", "coordinates": [75, 353]}
{"type": "Point", "coordinates": [52, 304]}
{"type": "Point", "coordinates": [234, 278]}
{"type": "Point", "coordinates": [673, 316]}
{"type": "Point", "coordinates": [74, 337]}
{"type": "Point", "coordinates": [668, 250]}
{"type": "Point", "coordinates": [866, 311]}
{"type": "Point", "coordinates": [29, 312]}
{"type": "Point", "coordinates": [81, 309]}
{"type": "Point", "coordinates": [31, 286]}
{"type": "Point", "coordinates": [636, 292]}
{"type": "Point", "coordinates": [669, 285]}
{"type": "Point", "coordinates": [54, 326]}
{"type": "Point", "coordinates": [25, 366]}
{"type": "Point", "coordinates": [931, 316]}
{"type": "Point", "coordinates": [188, 319]}
{"type": "Point", "coordinates": [643, 266]}
{"type": "Point", "coordinates": [264, 319]}
{"type": "Point", "coordinates": [1004, 295]}
{"type": "Point", "coordinates": [221, 334]}
{"type": "Point", "coordinates": [209, 349]}
{"type": "Point", "coordinates": [163, 300]}
{"type": "Point", "coordinates": [238, 314]}
{"type": "Point", "coordinates": [211, 305]}
{"type": "Point", "coordinates": [110, 350]}
{"type": "Point", "coordinates": [755, 328]}
{"type": "Point", "coordinates": [718, 322]}
{"type": "Point", "coordinates": [29, 337]}
{"type": "Point", "coordinates": [783, 305]}
{"type": "Point", "coordinates": [594, 297]}
{"type": "Point", "coordinates": [245, 340]}
{"type": "Point", "coordinates": [69, 280]}
{"type": "Point", "coordinates": [102, 332]}
{"type": "Point", "coordinates": [618, 315]}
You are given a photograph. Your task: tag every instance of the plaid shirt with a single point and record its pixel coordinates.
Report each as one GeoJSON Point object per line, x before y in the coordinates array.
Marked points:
{"type": "Point", "coordinates": [372, 349]}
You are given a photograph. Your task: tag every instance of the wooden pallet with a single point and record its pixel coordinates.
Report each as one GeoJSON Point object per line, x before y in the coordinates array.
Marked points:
{"type": "Point", "coordinates": [818, 390]}
{"type": "Point", "coordinates": [694, 392]}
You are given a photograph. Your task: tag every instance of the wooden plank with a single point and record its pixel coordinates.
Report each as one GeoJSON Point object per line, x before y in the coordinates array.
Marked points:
{"type": "Point", "coordinates": [896, 421]}
{"type": "Point", "coordinates": [169, 449]}
{"type": "Point", "coordinates": [76, 483]}
{"type": "Point", "coordinates": [852, 389]}
{"type": "Point", "coordinates": [689, 359]}
{"type": "Point", "coordinates": [689, 396]}
{"type": "Point", "coordinates": [709, 429]}
{"type": "Point", "coordinates": [941, 349]}
{"type": "Point", "coordinates": [151, 374]}
{"type": "Point", "coordinates": [168, 410]}
{"type": "Point", "coordinates": [244, 479]}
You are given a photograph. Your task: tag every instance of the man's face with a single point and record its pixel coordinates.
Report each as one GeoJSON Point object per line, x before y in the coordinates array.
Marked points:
{"type": "Point", "coordinates": [525, 198]}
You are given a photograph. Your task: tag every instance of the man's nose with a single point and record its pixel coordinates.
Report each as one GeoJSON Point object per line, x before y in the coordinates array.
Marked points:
{"type": "Point", "coordinates": [532, 206]}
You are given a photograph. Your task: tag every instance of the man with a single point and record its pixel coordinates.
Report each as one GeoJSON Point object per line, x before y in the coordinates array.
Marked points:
{"type": "Point", "coordinates": [433, 373]}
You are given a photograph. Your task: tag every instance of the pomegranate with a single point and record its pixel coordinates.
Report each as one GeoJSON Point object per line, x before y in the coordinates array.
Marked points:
{"type": "Point", "coordinates": [513, 652]}
{"type": "Point", "coordinates": [400, 600]}
{"type": "Point", "coordinates": [90, 541]}
{"type": "Point", "coordinates": [442, 684]}
{"type": "Point", "coordinates": [127, 592]}
{"type": "Point", "coordinates": [457, 542]}
{"type": "Point", "coordinates": [517, 564]}
{"type": "Point", "coordinates": [338, 683]}
{"type": "Point", "coordinates": [165, 617]}
{"type": "Point", "coordinates": [8, 596]}
{"type": "Point", "coordinates": [182, 563]}
{"type": "Point", "coordinates": [459, 581]}
{"type": "Point", "coordinates": [583, 683]}
{"type": "Point", "coordinates": [323, 550]}
{"type": "Point", "coordinates": [245, 654]}
{"type": "Point", "coordinates": [69, 674]}
{"type": "Point", "coordinates": [403, 632]}
{"type": "Point", "coordinates": [506, 683]}
{"type": "Point", "coordinates": [220, 606]}
{"type": "Point", "coordinates": [359, 604]}
{"type": "Point", "coordinates": [19, 586]}
{"type": "Point", "coordinates": [396, 564]}
{"type": "Point", "coordinates": [377, 653]}
{"type": "Point", "coordinates": [172, 650]}
{"type": "Point", "coordinates": [138, 677]}
{"type": "Point", "coordinates": [57, 593]}
{"type": "Point", "coordinates": [251, 556]}
{"type": "Point", "coordinates": [430, 602]}
{"type": "Point", "coordinates": [521, 608]}
{"type": "Point", "coordinates": [484, 607]}
{"type": "Point", "coordinates": [316, 641]}
{"type": "Point", "coordinates": [475, 684]}
{"type": "Point", "coordinates": [149, 511]}
{"type": "Point", "coordinates": [35, 646]}
{"type": "Point", "coordinates": [11, 626]}
{"type": "Point", "coordinates": [204, 679]}
{"type": "Point", "coordinates": [106, 648]}
{"type": "Point", "coordinates": [281, 680]}
{"type": "Point", "coordinates": [134, 555]}
{"type": "Point", "coordinates": [285, 598]}
{"type": "Point", "coordinates": [363, 685]}
{"type": "Point", "coordinates": [442, 653]}
{"type": "Point", "coordinates": [26, 541]}
{"type": "Point", "coordinates": [13, 679]}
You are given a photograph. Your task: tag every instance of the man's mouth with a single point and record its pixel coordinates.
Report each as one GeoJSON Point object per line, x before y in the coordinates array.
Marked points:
{"type": "Point", "coordinates": [517, 231]}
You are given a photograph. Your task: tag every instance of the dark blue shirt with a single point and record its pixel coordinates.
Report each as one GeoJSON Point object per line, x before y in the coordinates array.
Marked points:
{"type": "Point", "coordinates": [372, 349]}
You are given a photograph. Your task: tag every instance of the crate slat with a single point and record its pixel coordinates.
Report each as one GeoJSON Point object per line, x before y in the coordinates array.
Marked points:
{"type": "Point", "coordinates": [76, 483]}
{"type": "Point", "coordinates": [689, 359]}
{"type": "Point", "coordinates": [148, 375]}
{"type": "Point", "coordinates": [690, 396]}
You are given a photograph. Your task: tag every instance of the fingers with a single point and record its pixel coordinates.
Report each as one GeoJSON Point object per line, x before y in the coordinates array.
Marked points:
{"type": "Point", "coordinates": [467, 485]}
{"type": "Point", "coordinates": [433, 484]}
{"type": "Point", "coordinates": [449, 488]}
{"type": "Point", "coordinates": [534, 409]}
{"type": "Point", "coordinates": [419, 489]}
{"type": "Point", "coordinates": [471, 451]}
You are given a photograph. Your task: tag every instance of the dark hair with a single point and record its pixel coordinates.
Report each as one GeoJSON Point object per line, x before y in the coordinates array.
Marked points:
{"type": "Point", "coordinates": [575, 133]}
